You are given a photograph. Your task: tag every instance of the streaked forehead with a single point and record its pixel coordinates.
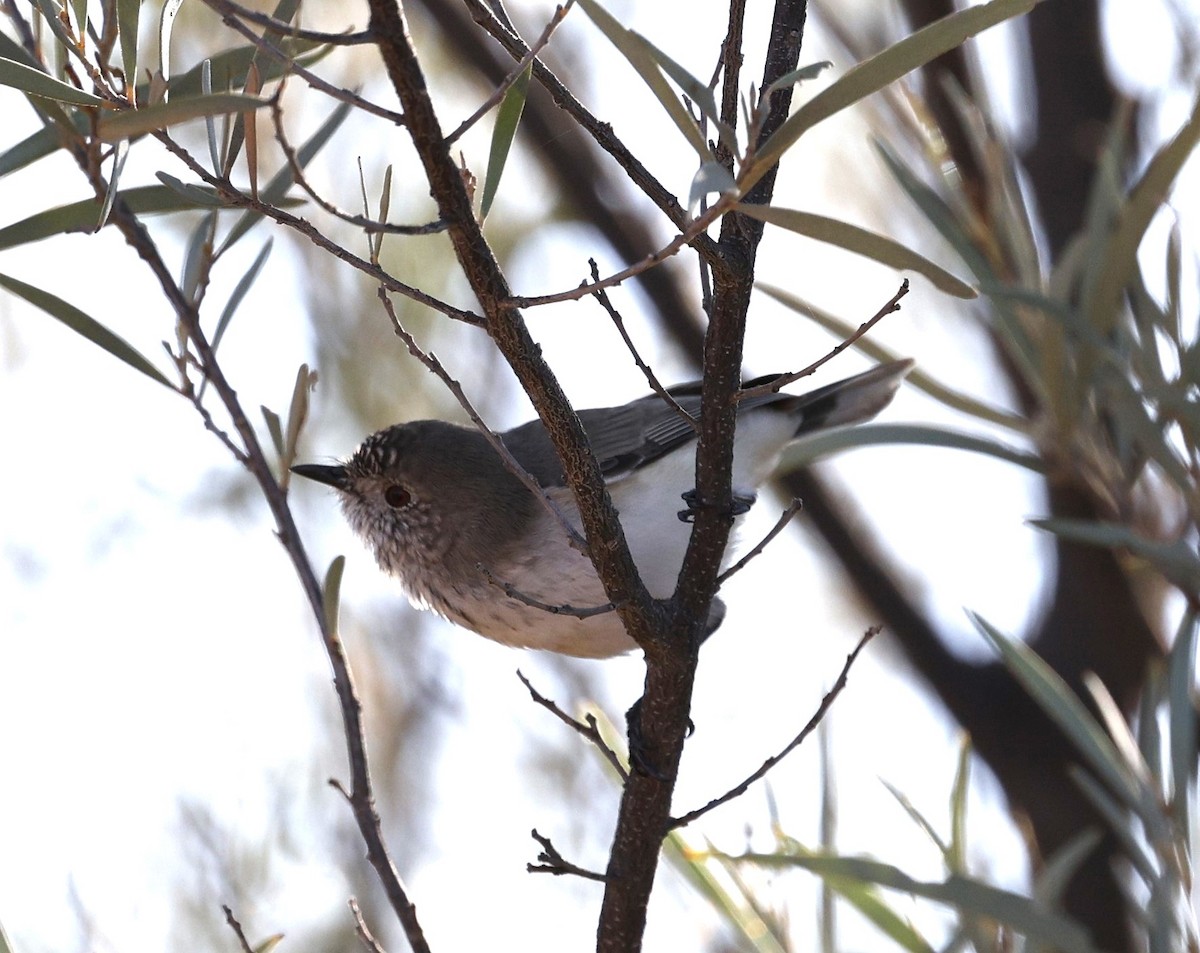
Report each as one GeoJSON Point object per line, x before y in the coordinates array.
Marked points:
{"type": "Point", "coordinates": [380, 452]}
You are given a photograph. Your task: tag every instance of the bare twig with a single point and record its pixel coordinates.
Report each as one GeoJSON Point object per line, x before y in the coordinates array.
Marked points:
{"type": "Point", "coordinates": [237, 929]}
{"type": "Point", "coordinates": [560, 13]}
{"type": "Point", "coordinates": [552, 862]}
{"type": "Point", "coordinates": [697, 226]}
{"type": "Point", "coordinates": [579, 612]}
{"type": "Point", "coordinates": [239, 199]}
{"type": "Point", "coordinates": [818, 715]}
{"type": "Point", "coordinates": [230, 15]}
{"type": "Point", "coordinates": [510, 462]}
{"type": "Point", "coordinates": [602, 296]}
{"type": "Point", "coordinates": [589, 730]}
{"type": "Point", "coordinates": [272, 25]}
{"type": "Point", "coordinates": [362, 930]}
{"type": "Point", "coordinates": [772, 387]}
{"type": "Point", "coordinates": [786, 517]}
{"type": "Point", "coordinates": [362, 221]}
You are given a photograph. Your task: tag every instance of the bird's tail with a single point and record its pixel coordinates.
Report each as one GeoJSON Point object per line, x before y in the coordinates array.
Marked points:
{"type": "Point", "coordinates": [850, 401]}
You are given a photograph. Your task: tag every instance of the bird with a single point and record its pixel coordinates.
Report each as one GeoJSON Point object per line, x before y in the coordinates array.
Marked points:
{"type": "Point", "coordinates": [444, 513]}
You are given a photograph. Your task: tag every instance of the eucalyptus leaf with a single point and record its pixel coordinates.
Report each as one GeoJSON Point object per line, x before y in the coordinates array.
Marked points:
{"type": "Point", "coordinates": [273, 193]}
{"type": "Point", "coordinates": [36, 83]}
{"type": "Point", "coordinates": [508, 118]}
{"type": "Point", "coordinates": [331, 593]}
{"type": "Point", "coordinates": [134, 122]}
{"type": "Point", "coordinates": [86, 326]}
{"type": "Point", "coordinates": [1024, 915]}
{"type": "Point", "coordinates": [128, 12]}
{"type": "Point", "coordinates": [640, 55]}
{"type": "Point", "coordinates": [860, 241]}
{"type": "Point", "coordinates": [876, 72]}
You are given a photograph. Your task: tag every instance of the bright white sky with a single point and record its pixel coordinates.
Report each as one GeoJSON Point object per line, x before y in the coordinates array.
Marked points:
{"type": "Point", "coordinates": [157, 650]}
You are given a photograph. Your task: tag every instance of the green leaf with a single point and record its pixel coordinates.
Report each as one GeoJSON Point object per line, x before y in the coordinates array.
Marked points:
{"type": "Point", "coordinates": [306, 380]}
{"type": "Point", "coordinates": [199, 248]}
{"type": "Point", "coordinates": [508, 118]}
{"type": "Point", "coordinates": [274, 428]}
{"type": "Point", "coordinates": [710, 177]}
{"type": "Point", "coordinates": [166, 24]}
{"type": "Point", "coordinates": [120, 154]}
{"type": "Point", "coordinates": [641, 57]}
{"type": "Point", "coordinates": [827, 442]}
{"type": "Point", "coordinates": [82, 216]}
{"type": "Point", "coordinates": [861, 242]}
{"type": "Point", "coordinates": [195, 196]}
{"type": "Point", "coordinates": [1177, 560]}
{"type": "Point", "coordinates": [876, 72]}
{"type": "Point", "coordinates": [1181, 719]}
{"type": "Point", "coordinates": [134, 122]}
{"type": "Point", "coordinates": [36, 83]}
{"type": "Point", "coordinates": [128, 12]}
{"type": "Point", "coordinates": [260, 61]}
{"type": "Point", "coordinates": [1056, 699]}
{"type": "Point", "coordinates": [86, 326]}
{"type": "Point", "coordinates": [331, 593]}
{"type": "Point", "coordinates": [917, 817]}
{"type": "Point", "coordinates": [801, 75]}
{"type": "Point", "coordinates": [956, 856]}
{"type": "Point", "coordinates": [239, 292]}
{"type": "Point", "coordinates": [283, 179]}
{"type": "Point", "coordinates": [1025, 916]}
{"type": "Point", "coordinates": [1118, 260]}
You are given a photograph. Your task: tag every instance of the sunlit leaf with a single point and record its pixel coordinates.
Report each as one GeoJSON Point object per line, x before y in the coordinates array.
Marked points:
{"type": "Point", "coordinates": [860, 241]}
{"type": "Point", "coordinates": [35, 82]}
{"type": "Point", "coordinates": [134, 122]}
{"type": "Point", "coordinates": [508, 118]}
{"type": "Point", "coordinates": [85, 326]}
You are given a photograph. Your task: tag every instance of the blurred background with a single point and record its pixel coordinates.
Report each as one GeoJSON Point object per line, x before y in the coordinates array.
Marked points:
{"type": "Point", "coordinates": [169, 726]}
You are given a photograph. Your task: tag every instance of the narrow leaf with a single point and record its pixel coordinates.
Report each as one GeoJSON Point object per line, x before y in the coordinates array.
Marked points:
{"type": "Point", "coordinates": [306, 380]}
{"type": "Point", "coordinates": [1181, 715]}
{"type": "Point", "coordinates": [128, 12]}
{"type": "Point", "coordinates": [710, 177]}
{"type": "Point", "coordinates": [82, 216]}
{"type": "Point", "coordinates": [135, 122]}
{"type": "Point", "coordinates": [86, 326]}
{"type": "Point", "coordinates": [36, 83]}
{"type": "Point", "coordinates": [1177, 560]}
{"type": "Point", "coordinates": [1119, 259]}
{"type": "Point", "coordinates": [861, 242]}
{"type": "Point", "coordinates": [274, 428]}
{"type": "Point", "coordinates": [199, 247]}
{"type": "Point", "coordinates": [239, 292]}
{"type": "Point", "coordinates": [283, 179]}
{"type": "Point", "coordinates": [508, 118]}
{"type": "Point", "coordinates": [166, 23]}
{"type": "Point", "coordinates": [876, 72]}
{"type": "Point", "coordinates": [801, 75]}
{"type": "Point", "coordinates": [638, 52]}
{"type": "Point", "coordinates": [827, 442]}
{"type": "Point", "coordinates": [331, 593]}
{"type": "Point", "coordinates": [120, 154]}
{"type": "Point", "coordinates": [1024, 915]}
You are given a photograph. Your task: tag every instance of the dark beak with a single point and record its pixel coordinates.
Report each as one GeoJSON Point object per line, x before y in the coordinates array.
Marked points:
{"type": "Point", "coordinates": [330, 476]}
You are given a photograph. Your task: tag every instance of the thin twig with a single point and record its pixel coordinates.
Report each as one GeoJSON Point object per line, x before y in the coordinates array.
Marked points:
{"type": "Point", "coordinates": [579, 612]}
{"type": "Point", "coordinates": [822, 709]}
{"type": "Point", "coordinates": [552, 862]}
{"type": "Point", "coordinates": [431, 361]}
{"type": "Point", "coordinates": [697, 226]}
{"type": "Point", "coordinates": [237, 929]}
{"type": "Point", "coordinates": [590, 731]}
{"type": "Point", "coordinates": [560, 13]}
{"type": "Point", "coordinates": [362, 221]}
{"type": "Point", "coordinates": [229, 14]}
{"type": "Point", "coordinates": [239, 199]}
{"type": "Point", "coordinates": [272, 25]}
{"type": "Point", "coordinates": [773, 386]}
{"type": "Point", "coordinates": [362, 930]}
{"type": "Point", "coordinates": [792, 509]}
{"type": "Point", "coordinates": [602, 296]}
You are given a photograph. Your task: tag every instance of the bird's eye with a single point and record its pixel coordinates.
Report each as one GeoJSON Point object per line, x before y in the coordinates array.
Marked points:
{"type": "Point", "coordinates": [396, 496]}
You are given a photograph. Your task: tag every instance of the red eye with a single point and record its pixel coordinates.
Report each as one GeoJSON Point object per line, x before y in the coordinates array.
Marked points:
{"type": "Point", "coordinates": [396, 496]}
